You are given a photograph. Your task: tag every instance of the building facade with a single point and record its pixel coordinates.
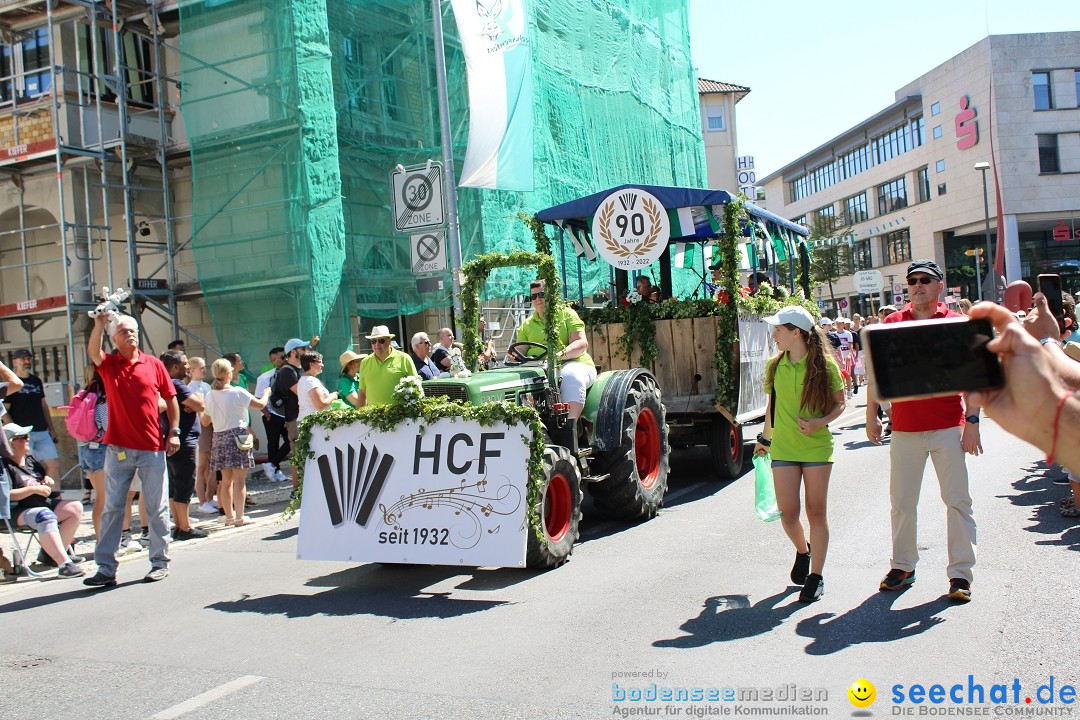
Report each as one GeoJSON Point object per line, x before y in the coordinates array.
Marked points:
{"type": "Point", "coordinates": [718, 100]}
{"type": "Point", "coordinates": [908, 182]}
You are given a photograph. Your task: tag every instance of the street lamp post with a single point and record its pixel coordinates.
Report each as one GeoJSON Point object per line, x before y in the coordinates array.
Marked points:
{"type": "Point", "coordinates": [991, 282]}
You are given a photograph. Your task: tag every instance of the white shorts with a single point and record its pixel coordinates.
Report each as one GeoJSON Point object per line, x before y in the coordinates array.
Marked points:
{"type": "Point", "coordinates": [576, 377]}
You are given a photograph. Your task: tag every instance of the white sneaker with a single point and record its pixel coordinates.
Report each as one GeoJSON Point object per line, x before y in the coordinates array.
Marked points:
{"type": "Point", "coordinates": [280, 476]}
{"type": "Point", "coordinates": [268, 470]}
{"type": "Point", "coordinates": [206, 509]}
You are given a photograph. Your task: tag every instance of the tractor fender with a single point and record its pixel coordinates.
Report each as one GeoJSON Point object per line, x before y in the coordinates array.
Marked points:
{"type": "Point", "coordinates": [608, 403]}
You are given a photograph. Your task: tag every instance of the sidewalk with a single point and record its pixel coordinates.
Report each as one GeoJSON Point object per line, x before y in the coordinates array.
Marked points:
{"type": "Point", "coordinates": [271, 497]}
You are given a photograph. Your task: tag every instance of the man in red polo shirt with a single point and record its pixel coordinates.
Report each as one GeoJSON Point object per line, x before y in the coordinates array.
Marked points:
{"type": "Point", "coordinates": [134, 381]}
{"type": "Point", "coordinates": [941, 429]}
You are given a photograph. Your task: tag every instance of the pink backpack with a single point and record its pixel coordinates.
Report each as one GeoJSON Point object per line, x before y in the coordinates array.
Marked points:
{"type": "Point", "coordinates": [80, 418]}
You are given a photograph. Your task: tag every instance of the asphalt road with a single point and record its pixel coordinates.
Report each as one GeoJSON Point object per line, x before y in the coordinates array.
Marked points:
{"type": "Point", "coordinates": [697, 598]}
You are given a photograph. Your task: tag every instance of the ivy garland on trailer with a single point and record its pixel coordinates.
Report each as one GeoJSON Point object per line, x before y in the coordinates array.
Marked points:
{"type": "Point", "coordinates": [427, 411]}
{"type": "Point", "coordinates": [639, 318]}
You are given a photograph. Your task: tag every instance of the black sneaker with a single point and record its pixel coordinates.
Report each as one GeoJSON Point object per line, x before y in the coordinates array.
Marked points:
{"type": "Point", "coordinates": [189, 534]}
{"type": "Point", "coordinates": [100, 580]}
{"type": "Point", "coordinates": [856, 390]}
{"type": "Point", "coordinates": [801, 567]}
{"type": "Point", "coordinates": [158, 573]}
{"type": "Point", "coordinates": [813, 589]}
{"type": "Point", "coordinates": [70, 570]}
{"type": "Point", "coordinates": [959, 590]}
{"type": "Point", "coordinates": [897, 580]}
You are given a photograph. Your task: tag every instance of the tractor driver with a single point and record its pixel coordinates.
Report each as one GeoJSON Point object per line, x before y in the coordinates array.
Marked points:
{"type": "Point", "coordinates": [577, 370]}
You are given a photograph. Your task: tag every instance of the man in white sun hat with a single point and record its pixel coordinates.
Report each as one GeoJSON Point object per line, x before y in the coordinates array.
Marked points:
{"type": "Point", "coordinates": [381, 371]}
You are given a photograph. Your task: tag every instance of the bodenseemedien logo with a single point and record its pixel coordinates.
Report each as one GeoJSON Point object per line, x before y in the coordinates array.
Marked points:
{"type": "Point", "coordinates": [353, 481]}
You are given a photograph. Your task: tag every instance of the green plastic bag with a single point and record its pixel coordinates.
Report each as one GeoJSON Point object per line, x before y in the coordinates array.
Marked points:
{"type": "Point", "coordinates": [764, 494]}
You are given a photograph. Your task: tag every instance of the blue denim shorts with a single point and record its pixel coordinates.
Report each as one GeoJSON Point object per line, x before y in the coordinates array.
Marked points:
{"type": "Point", "coordinates": [92, 457]}
{"type": "Point", "coordinates": [42, 446]}
{"type": "Point", "coordinates": [798, 464]}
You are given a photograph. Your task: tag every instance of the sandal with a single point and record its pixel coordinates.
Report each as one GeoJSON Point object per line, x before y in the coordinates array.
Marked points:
{"type": "Point", "coordinates": [1070, 512]}
{"type": "Point", "coordinates": [87, 498]}
{"type": "Point", "coordinates": [1067, 502]}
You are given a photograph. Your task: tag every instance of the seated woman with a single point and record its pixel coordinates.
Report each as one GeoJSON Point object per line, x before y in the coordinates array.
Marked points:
{"type": "Point", "coordinates": [36, 503]}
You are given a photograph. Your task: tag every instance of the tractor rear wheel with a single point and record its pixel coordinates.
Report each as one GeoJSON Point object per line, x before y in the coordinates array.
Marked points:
{"type": "Point", "coordinates": [726, 448]}
{"type": "Point", "coordinates": [559, 510]}
{"type": "Point", "coordinates": [638, 468]}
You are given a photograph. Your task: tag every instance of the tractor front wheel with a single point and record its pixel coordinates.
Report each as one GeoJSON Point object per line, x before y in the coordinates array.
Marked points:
{"type": "Point", "coordinates": [559, 511]}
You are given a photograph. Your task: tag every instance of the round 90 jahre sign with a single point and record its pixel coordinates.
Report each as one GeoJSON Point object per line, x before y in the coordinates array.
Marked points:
{"type": "Point", "coordinates": [631, 229]}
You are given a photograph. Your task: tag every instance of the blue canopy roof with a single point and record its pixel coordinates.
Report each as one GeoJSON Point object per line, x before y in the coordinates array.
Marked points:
{"type": "Point", "coordinates": [579, 212]}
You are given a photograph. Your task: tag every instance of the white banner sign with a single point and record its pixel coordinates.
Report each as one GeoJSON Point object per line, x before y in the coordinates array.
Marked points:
{"type": "Point", "coordinates": [631, 229]}
{"type": "Point", "coordinates": [756, 346]}
{"type": "Point", "coordinates": [453, 493]}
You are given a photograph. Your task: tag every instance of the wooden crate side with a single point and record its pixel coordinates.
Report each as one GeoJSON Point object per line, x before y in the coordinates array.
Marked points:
{"type": "Point", "coordinates": [704, 352]}
{"type": "Point", "coordinates": [665, 369]}
{"type": "Point", "coordinates": [685, 355]}
{"type": "Point", "coordinates": [617, 360]}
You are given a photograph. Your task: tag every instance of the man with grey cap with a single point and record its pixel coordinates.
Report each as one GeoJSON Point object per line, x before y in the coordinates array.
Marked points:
{"type": "Point", "coordinates": [283, 398]}
{"type": "Point", "coordinates": [29, 407]}
{"type": "Point", "coordinates": [381, 371]}
{"type": "Point", "coordinates": [939, 428]}
{"type": "Point", "coordinates": [135, 442]}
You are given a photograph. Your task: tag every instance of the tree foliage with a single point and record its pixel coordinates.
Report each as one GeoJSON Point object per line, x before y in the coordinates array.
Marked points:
{"type": "Point", "coordinates": [831, 257]}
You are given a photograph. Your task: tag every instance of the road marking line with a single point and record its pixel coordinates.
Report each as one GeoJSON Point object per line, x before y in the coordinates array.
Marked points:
{"type": "Point", "coordinates": [208, 697]}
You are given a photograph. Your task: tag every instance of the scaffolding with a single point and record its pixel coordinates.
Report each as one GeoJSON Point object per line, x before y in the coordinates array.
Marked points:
{"type": "Point", "coordinates": [94, 109]}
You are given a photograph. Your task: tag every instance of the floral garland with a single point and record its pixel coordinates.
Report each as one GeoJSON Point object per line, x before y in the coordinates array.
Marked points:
{"type": "Point", "coordinates": [427, 411]}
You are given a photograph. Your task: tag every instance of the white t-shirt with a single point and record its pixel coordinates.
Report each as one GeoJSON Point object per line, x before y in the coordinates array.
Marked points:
{"type": "Point", "coordinates": [845, 341]}
{"type": "Point", "coordinates": [303, 395]}
{"type": "Point", "coordinates": [228, 408]}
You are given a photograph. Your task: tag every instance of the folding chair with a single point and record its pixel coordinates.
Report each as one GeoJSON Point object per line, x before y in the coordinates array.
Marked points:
{"type": "Point", "coordinates": [21, 566]}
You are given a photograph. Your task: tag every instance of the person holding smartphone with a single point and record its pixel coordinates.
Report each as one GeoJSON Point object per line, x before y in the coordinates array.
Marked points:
{"type": "Point", "coordinates": [806, 393]}
{"type": "Point", "coordinates": [938, 428]}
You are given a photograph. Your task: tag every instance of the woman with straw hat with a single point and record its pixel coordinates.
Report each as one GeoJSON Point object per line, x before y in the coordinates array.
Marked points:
{"type": "Point", "coordinates": [349, 382]}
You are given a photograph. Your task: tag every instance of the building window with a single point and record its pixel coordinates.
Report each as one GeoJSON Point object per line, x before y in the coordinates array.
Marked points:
{"type": "Point", "coordinates": [924, 184]}
{"type": "Point", "coordinates": [937, 131]}
{"type": "Point", "coordinates": [897, 246]}
{"type": "Point", "coordinates": [25, 68]}
{"type": "Point", "coordinates": [935, 108]}
{"type": "Point", "coordinates": [939, 166]}
{"type": "Point", "coordinates": [715, 120]}
{"type": "Point", "coordinates": [860, 255]}
{"type": "Point", "coordinates": [855, 208]}
{"type": "Point", "coordinates": [1048, 154]}
{"type": "Point", "coordinates": [892, 196]}
{"type": "Point", "coordinates": [1044, 96]}
{"type": "Point", "coordinates": [941, 189]}
{"type": "Point", "coordinates": [1076, 81]}
{"type": "Point", "coordinates": [829, 211]}
{"type": "Point", "coordinates": [136, 58]}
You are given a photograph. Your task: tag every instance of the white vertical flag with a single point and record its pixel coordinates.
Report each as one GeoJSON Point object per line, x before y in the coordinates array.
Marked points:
{"type": "Point", "coordinates": [498, 64]}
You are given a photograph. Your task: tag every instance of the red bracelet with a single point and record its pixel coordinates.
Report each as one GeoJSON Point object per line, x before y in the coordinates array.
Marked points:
{"type": "Point", "coordinates": [1057, 420]}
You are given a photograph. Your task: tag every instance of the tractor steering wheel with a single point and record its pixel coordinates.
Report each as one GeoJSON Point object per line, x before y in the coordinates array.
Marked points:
{"type": "Point", "coordinates": [522, 356]}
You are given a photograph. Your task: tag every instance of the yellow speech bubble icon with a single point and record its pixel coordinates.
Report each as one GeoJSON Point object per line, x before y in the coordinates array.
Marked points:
{"type": "Point", "coordinates": [862, 693]}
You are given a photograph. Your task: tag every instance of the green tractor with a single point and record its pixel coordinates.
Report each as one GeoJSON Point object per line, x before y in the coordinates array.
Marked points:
{"type": "Point", "coordinates": [619, 449]}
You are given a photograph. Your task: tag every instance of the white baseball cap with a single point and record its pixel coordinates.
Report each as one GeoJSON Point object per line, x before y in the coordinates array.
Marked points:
{"type": "Point", "coordinates": [795, 315]}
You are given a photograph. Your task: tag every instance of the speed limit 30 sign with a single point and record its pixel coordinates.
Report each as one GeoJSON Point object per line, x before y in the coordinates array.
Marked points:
{"type": "Point", "coordinates": [418, 196]}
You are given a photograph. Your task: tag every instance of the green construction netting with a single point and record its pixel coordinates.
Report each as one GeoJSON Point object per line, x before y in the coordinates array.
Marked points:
{"type": "Point", "coordinates": [297, 112]}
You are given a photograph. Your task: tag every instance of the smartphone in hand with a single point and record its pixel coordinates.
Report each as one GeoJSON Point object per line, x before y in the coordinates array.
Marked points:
{"type": "Point", "coordinates": [1050, 286]}
{"type": "Point", "coordinates": [930, 358]}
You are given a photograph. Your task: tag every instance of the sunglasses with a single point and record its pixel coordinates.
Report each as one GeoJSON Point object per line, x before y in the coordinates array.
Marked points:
{"type": "Point", "coordinates": [921, 280]}
{"type": "Point", "coordinates": [379, 341]}
{"type": "Point", "coordinates": [537, 296]}
{"type": "Point", "coordinates": [20, 437]}
{"type": "Point", "coordinates": [425, 342]}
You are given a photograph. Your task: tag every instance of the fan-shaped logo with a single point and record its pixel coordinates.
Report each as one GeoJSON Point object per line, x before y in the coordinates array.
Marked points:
{"type": "Point", "coordinates": [352, 482]}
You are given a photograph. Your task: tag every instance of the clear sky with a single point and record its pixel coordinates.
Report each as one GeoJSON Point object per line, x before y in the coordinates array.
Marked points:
{"type": "Point", "coordinates": [815, 69]}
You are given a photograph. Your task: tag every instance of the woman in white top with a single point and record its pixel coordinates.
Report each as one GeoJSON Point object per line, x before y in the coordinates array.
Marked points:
{"type": "Point", "coordinates": [311, 394]}
{"type": "Point", "coordinates": [227, 410]}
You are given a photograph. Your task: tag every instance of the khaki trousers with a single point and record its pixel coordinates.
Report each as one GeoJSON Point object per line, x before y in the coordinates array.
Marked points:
{"type": "Point", "coordinates": [908, 452]}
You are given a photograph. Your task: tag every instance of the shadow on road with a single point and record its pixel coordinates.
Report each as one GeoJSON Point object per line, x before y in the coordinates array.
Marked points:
{"type": "Point", "coordinates": [1036, 491]}
{"type": "Point", "coordinates": [393, 591]}
{"type": "Point", "coordinates": [76, 592]}
{"type": "Point", "coordinates": [283, 534]}
{"type": "Point", "coordinates": [873, 621]}
{"type": "Point", "coordinates": [732, 617]}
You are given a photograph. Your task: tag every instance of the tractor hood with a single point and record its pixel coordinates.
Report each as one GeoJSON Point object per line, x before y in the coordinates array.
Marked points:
{"type": "Point", "coordinates": [490, 385]}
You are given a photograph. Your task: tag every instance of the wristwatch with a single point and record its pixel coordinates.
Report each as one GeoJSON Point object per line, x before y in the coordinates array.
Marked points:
{"type": "Point", "coordinates": [174, 431]}
{"type": "Point", "coordinates": [1050, 339]}
{"type": "Point", "coordinates": [972, 419]}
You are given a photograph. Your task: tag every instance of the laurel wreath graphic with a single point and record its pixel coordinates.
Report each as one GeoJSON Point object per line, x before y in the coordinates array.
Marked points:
{"type": "Point", "coordinates": [647, 244]}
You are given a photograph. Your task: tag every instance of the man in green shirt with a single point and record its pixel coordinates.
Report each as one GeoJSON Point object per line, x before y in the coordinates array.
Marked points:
{"type": "Point", "coordinates": [576, 370]}
{"type": "Point", "coordinates": [381, 371]}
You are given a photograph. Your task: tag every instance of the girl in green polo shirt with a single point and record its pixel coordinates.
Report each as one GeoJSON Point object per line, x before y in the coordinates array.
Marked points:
{"type": "Point", "coordinates": [806, 393]}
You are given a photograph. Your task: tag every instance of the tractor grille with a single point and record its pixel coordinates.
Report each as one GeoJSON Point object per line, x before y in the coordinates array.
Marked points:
{"type": "Point", "coordinates": [457, 393]}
